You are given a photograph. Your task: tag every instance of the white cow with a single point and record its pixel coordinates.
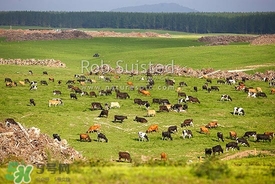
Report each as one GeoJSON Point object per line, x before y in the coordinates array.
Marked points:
{"type": "Point", "coordinates": [142, 136]}
{"type": "Point", "coordinates": [114, 105]}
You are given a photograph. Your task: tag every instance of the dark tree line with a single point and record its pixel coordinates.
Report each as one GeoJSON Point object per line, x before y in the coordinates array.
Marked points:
{"type": "Point", "coordinates": [250, 23]}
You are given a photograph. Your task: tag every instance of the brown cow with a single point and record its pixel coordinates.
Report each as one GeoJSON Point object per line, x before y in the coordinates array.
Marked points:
{"type": "Point", "coordinates": [232, 135]}
{"type": "Point", "coordinates": [163, 156]}
{"type": "Point", "coordinates": [85, 138]}
{"type": "Point", "coordinates": [187, 122]}
{"type": "Point", "coordinates": [212, 125]}
{"type": "Point", "coordinates": [92, 93]}
{"type": "Point", "coordinates": [272, 91]}
{"type": "Point", "coordinates": [152, 128]}
{"type": "Point", "coordinates": [204, 130]}
{"type": "Point", "coordinates": [93, 128]}
{"type": "Point", "coordinates": [124, 155]}
{"type": "Point", "coordinates": [144, 92]}
{"type": "Point", "coordinates": [130, 83]}
{"type": "Point", "coordinates": [271, 134]}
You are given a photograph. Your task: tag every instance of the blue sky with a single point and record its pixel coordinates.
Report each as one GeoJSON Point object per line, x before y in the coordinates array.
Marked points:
{"type": "Point", "coordinates": [107, 5]}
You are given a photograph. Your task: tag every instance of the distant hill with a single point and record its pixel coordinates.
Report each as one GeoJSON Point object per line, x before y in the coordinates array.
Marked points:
{"type": "Point", "coordinates": [156, 8]}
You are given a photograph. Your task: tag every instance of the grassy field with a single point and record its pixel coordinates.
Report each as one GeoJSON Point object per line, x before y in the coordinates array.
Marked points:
{"type": "Point", "coordinates": [75, 116]}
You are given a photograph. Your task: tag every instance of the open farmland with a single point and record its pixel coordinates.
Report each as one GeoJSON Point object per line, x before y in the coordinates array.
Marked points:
{"type": "Point", "coordinates": [75, 116]}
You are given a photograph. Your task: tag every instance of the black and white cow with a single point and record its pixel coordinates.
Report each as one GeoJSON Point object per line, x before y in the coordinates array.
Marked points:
{"type": "Point", "coordinates": [104, 113]}
{"type": "Point", "coordinates": [238, 111]}
{"type": "Point", "coordinates": [96, 106]}
{"type": "Point", "coordinates": [250, 134]}
{"type": "Point", "coordinates": [225, 97]}
{"type": "Point", "coordinates": [220, 136]}
{"type": "Point", "coordinates": [142, 136]}
{"type": "Point", "coordinates": [232, 145]}
{"type": "Point", "coordinates": [32, 102]}
{"type": "Point", "coordinates": [166, 135]}
{"type": "Point", "coordinates": [101, 136]}
{"type": "Point", "coordinates": [57, 137]}
{"type": "Point", "coordinates": [187, 133]}
{"type": "Point", "coordinates": [33, 87]}
{"type": "Point", "coordinates": [242, 141]}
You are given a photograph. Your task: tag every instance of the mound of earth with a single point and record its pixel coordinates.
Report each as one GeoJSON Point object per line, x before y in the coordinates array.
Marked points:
{"type": "Point", "coordinates": [225, 39]}
{"type": "Point", "coordinates": [264, 40]}
{"type": "Point", "coordinates": [41, 62]}
{"type": "Point", "coordinates": [33, 147]}
{"type": "Point", "coordinates": [24, 35]}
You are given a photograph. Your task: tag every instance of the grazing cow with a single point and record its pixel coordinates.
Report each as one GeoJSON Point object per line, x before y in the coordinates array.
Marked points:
{"type": "Point", "coordinates": [181, 94]}
{"type": "Point", "coordinates": [225, 97]}
{"type": "Point", "coordinates": [10, 121]}
{"type": "Point", "coordinates": [93, 94]}
{"type": "Point", "coordinates": [242, 141]}
{"type": "Point", "coordinates": [142, 136]}
{"type": "Point", "coordinates": [8, 80]}
{"type": "Point", "coordinates": [251, 94]}
{"type": "Point", "coordinates": [205, 86]}
{"type": "Point", "coordinates": [169, 82]}
{"type": "Point", "coordinates": [51, 79]}
{"type": "Point", "coordinates": [208, 151]}
{"type": "Point", "coordinates": [32, 102]}
{"type": "Point", "coordinates": [93, 128]}
{"type": "Point", "coordinates": [271, 134]}
{"type": "Point", "coordinates": [138, 101]}
{"type": "Point", "coordinates": [85, 138]}
{"type": "Point", "coordinates": [232, 145]}
{"type": "Point", "coordinates": [163, 108]}
{"type": "Point", "coordinates": [261, 94]}
{"type": "Point", "coordinates": [34, 87]}
{"type": "Point", "coordinates": [164, 101]}
{"type": "Point", "coordinates": [187, 133]}
{"type": "Point", "coordinates": [217, 149]}
{"type": "Point", "coordinates": [84, 93]}
{"type": "Point", "coordinates": [238, 111]}
{"type": "Point", "coordinates": [272, 91]}
{"type": "Point", "coordinates": [27, 81]}
{"type": "Point", "coordinates": [263, 137]}
{"type": "Point", "coordinates": [144, 92]}
{"type": "Point", "coordinates": [43, 82]}
{"type": "Point", "coordinates": [187, 122]}
{"type": "Point", "coordinates": [114, 105]}
{"type": "Point", "coordinates": [130, 83]}
{"type": "Point", "coordinates": [104, 113]}
{"type": "Point", "coordinates": [141, 120]}
{"type": "Point", "coordinates": [212, 125]}
{"type": "Point", "coordinates": [215, 88]}
{"type": "Point", "coordinates": [56, 92]}
{"type": "Point", "coordinates": [101, 136]}
{"type": "Point", "coordinates": [96, 106]}
{"type": "Point", "coordinates": [57, 137]}
{"type": "Point", "coordinates": [152, 128]}
{"type": "Point", "coordinates": [124, 155]}
{"type": "Point", "coordinates": [163, 156]}
{"type": "Point", "coordinates": [22, 83]}
{"type": "Point", "coordinates": [195, 88]}
{"type": "Point", "coordinates": [182, 84]}
{"type": "Point", "coordinates": [252, 90]}
{"type": "Point", "coordinates": [250, 134]}
{"type": "Point", "coordinates": [55, 102]}
{"type": "Point", "coordinates": [70, 82]}
{"type": "Point", "coordinates": [157, 100]}
{"type": "Point", "coordinates": [73, 96]}
{"type": "Point", "coordinates": [220, 136]}
{"type": "Point", "coordinates": [192, 99]}
{"type": "Point", "coordinates": [119, 118]}
{"type": "Point", "coordinates": [45, 73]}
{"type": "Point", "coordinates": [233, 135]}
{"type": "Point", "coordinates": [121, 95]}
{"type": "Point", "coordinates": [204, 130]}
{"type": "Point", "coordinates": [220, 81]}
{"type": "Point", "coordinates": [151, 113]}
{"type": "Point", "coordinates": [258, 89]}
{"type": "Point", "coordinates": [166, 135]}
{"type": "Point", "coordinates": [173, 129]}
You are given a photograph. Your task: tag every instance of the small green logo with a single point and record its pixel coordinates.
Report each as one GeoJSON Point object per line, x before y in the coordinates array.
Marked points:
{"type": "Point", "coordinates": [19, 173]}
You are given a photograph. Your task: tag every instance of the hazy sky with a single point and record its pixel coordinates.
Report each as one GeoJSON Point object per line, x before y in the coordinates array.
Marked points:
{"type": "Point", "coordinates": [107, 5]}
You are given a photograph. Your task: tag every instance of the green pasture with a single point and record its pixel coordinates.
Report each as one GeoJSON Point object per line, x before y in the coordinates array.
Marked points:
{"type": "Point", "coordinates": [75, 116]}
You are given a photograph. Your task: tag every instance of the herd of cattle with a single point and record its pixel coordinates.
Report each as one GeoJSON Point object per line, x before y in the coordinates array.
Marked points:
{"type": "Point", "coordinates": [164, 105]}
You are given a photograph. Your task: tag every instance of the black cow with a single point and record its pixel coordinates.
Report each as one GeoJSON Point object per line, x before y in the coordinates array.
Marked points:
{"type": "Point", "coordinates": [263, 137]}
{"type": "Point", "coordinates": [124, 155]}
{"type": "Point", "coordinates": [70, 82]}
{"type": "Point", "coordinates": [121, 95]}
{"type": "Point", "coordinates": [181, 94]}
{"type": "Point", "coordinates": [104, 113]}
{"type": "Point", "coordinates": [96, 106]}
{"type": "Point", "coordinates": [156, 100]}
{"type": "Point", "coordinates": [73, 96]}
{"type": "Point", "coordinates": [45, 73]}
{"type": "Point", "coordinates": [173, 129]}
{"type": "Point", "coordinates": [215, 88]}
{"type": "Point", "coordinates": [195, 88]}
{"type": "Point", "coordinates": [119, 118]}
{"type": "Point", "coordinates": [187, 122]}
{"type": "Point", "coordinates": [10, 121]}
{"type": "Point", "coordinates": [242, 141]}
{"type": "Point", "coordinates": [101, 136]}
{"type": "Point", "coordinates": [220, 81]}
{"type": "Point", "coordinates": [220, 136]}
{"type": "Point", "coordinates": [217, 149]}
{"type": "Point", "coordinates": [56, 136]}
{"type": "Point", "coordinates": [182, 84]}
{"type": "Point", "coordinates": [43, 82]}
{"type": "Point", "coordinates": [261, 94]}
{"type": "Point", "coordinates": [232, 145]}
{"type": "Point", "coordinates": [137, 101]}
{"type": "Point", "coordinates": [205, 86]}
{"type": "Point", "coordinates": [141, 120]}
{"type": "Point", "coordinates": [166, 135]}
{"type": "Point", "coordinates": [27, 81]}
{"type": "Point", "coordinates": [56, 92]}
{"type": "Point", "coordinates": [164, 101]}
{"type": "Point", "coordinates": [169, 82]}
{"type": "Point", "coordinates": [93, 94]}
{"type": "Point", "coordinates": [250, 134]}
{"type": "Point", "coordinates": [208, 151]}
{"type": "Point", "coordinates": [32, 102]}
